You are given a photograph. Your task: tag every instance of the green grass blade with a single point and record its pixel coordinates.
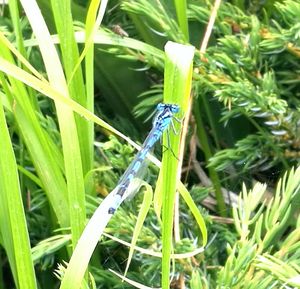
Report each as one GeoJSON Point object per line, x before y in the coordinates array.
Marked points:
{"type": "Point", "coordinates": [46, 89]}
{"type": "Point", "coordinates": [70, 55]}
{"type": "Point", "coordinates": [177, 87]}
{"type": "Point", "coordinates": [181, 11]}
{"type": "Point", "coordinates": [208, 154]}
{"type": "Point", "coordinates": [103, 37]}
{"type": "Point", "coordinates": [89, 79]}
{"type": "Point", "coordinates": [15, 17]}
{"type": "Point", "coordinates": [12, 217]}
{"type": "Point", "coordinates": [194, 210]}
{"type": "Point", "coordinates": [148, 195]}
{"type": "Point", "coordinates": [91, 29]}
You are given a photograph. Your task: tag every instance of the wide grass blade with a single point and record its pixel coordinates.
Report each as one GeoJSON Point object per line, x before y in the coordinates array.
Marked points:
{"type": "Point", "coordinates": [177, 88]}
{"type": "Point", "coordinates": [68, 128]}
{"type": "Point", "coordinates": [85, 247]}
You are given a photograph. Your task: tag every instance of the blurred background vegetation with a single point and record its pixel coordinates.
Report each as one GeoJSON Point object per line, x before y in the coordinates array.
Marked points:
{"type": "Point", "coordinates": [244, 128]}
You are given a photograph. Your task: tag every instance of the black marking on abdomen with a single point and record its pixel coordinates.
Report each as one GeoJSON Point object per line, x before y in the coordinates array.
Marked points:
{"type": "Point", "coordinates": [111, 210]}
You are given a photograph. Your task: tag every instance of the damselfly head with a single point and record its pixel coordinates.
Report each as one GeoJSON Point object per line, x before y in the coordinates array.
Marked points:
{"type": "Point", "coordinates": [174, 108]}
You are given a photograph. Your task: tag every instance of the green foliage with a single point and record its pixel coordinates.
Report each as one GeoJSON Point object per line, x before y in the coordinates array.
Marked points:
{"type": "Point", "coordinates": [159, 17]}
{"type": "Point", "coordinates": [263, 248]}
{"type": "Point", "coordinates": [249, 72]}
